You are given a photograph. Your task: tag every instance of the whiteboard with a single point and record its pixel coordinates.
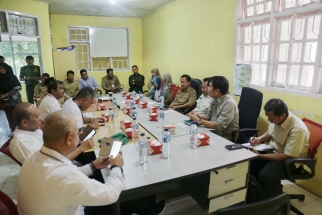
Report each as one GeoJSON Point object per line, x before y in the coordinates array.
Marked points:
{"type": "Point", "coordinates": [108, 42]}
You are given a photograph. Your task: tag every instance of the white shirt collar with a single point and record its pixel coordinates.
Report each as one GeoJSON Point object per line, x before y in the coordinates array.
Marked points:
{"type": "Point", "coordinates": [55, 155]}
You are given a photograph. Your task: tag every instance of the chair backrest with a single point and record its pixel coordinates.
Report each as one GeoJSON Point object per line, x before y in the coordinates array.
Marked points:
{"type": "Point", "coordinates": [171, 87]}
{"type": "Point", "coordinates": [196, 84]}
{"type": "Point", "coordinates": [315, 136]}
{"type": "Point", "coordinates": [249, 106]}
{"type": "Point", "coordinates": [278, 205]}
{"type": "Point", "coordinates": [174, 92]}
{"type": "Point", "coordinates": [7, 206]}
{"type": "Point", "coordinates": [5, 150]}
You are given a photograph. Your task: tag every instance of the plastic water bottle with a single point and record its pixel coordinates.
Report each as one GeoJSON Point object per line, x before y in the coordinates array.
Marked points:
{"type": "Point", "coordinates": [134, 113]}
{"type": "Point", "coordinates": [166, 143]}
{"type": "Point", "coordinates": [133, 94]}
{"type": "Point", "coordinates": [193, 135]}
{"type": "Point", "coordinates": [114, 105]}
{"type": "Point", "coordinates": [132, 104]}
{"type": "Point", "coordinates": [141, 96]}
{"type": "Point", "coordinates": [111, 121]}
{"type": "Point", "coordinates": [122, 89]}
{"type": "Point", "coordinates": [143, 149]}
{"type": "Point", "coordinates": [161, 118]}
{"type": "Point", "coordinates": [160, 104]}
{"type": "Point", "coordinates": [135, 130]}
{"type": "Point", "coordinates": [162, 101]}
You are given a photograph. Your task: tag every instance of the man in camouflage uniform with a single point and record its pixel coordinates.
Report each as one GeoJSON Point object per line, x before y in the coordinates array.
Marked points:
{"type": "Point", "coordinates": [31, 75]}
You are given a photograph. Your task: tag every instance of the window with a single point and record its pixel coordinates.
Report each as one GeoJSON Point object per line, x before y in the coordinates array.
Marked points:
{"type": "Point", "coordinates": [19, 38]}
{"type": "Point", "coordinates": [80, 39]}
{"type": "Point", "coordinates": [283, 45]}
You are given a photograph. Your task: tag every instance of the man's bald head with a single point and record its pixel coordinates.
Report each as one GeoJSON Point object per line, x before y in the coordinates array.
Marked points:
{"type": "Point", "coordinates": [22, 111]}
{"type": "Point", "coordinates": [58, 125]}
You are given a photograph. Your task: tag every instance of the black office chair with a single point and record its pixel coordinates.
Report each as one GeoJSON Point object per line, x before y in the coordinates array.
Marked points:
{"type": "Point", "coordinates": [249, 106]}
{"type": "Point", "coordinates": [278, 205]}
{"type": "Point", "coordinates": [195, 84]}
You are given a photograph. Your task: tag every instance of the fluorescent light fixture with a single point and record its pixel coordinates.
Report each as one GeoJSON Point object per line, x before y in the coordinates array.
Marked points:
{"type": "Point", "coordinates": [112, 1]}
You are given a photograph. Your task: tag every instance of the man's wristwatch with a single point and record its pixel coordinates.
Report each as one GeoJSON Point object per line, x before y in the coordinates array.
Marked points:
{"type": "Point", "coordinates": [116, 166]}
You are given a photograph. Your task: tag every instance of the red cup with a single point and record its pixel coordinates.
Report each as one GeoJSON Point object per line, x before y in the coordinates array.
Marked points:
{"type": "Point", "coordinates": [110, 94]}
{"type": "Point", "coordinates": [143, 105]}
{"type": "Point", "coordinates": [154, 109]}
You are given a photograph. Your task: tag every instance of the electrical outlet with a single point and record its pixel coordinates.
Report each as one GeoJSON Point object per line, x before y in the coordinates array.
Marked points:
{"type": "Point", "coordinates": [298, 112]}
{"type": "Point", "coordinates": [308, 114]}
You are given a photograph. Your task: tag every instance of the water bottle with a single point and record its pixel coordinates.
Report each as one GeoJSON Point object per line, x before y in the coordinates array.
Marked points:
{"type": "Point", "coordinates": [162, 101]}
{"type": "Point", "coordinates": [161, 118]}
{"type": "Point", "coordinates": [160, 105]}
{"type": "Point", "coordinates": [133, 94]}
{"type": "Point", "coordinates": [134, 113]}
{"type": "Point", "coordinates": [166, 143]}
{"type": "Point", "coordinates": [143, 149]}
{"type": "Point", "coordinates": [122, 89]}
{"type": "Point", "coordinates": [193, 135]}
{"type": "Point", "coordinates": [135, 130]}
{"type": "Point", "coordinates": [132, 104]}
{"type": "Point", "coordinates": [114, 106]}
{"type": "Point", "coordinates": [111, 121]}
{"type": "Point", "coordinates": [141, 96]}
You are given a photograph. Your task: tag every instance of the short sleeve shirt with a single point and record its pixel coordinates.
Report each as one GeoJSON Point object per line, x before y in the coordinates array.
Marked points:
{"type": "Point", "coordinates": [110, 83]}
{"type": "Point", "coordinates": [203, 104]}
{"type": "Point", "coordinates": [71, 88]}
{"type": "Point", "coordinates": [291, 137]}
{"type": "Point", "coordinates": [185, 96]}
{"type": "Point", "coordinates": [48, 105]}
{"type": "Point", "coordinates": [30, 71]}
{"type": "Point", "coordinates": [71, 107]}
{"type": "Point", "coordinates": [90, 82]}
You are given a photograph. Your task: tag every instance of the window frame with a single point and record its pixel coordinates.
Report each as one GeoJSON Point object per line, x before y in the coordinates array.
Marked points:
{"type": "Point", "coordinates": [316, 89]}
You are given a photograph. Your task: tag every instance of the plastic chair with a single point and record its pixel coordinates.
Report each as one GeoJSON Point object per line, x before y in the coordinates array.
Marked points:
{"type": "Point", "coordinates": [5, 150]}
{"type": "Point", "coordinates": [7, 206]}
{"type": "Point", "coordinates": [278, 205]}
{"type": "Point", "coordinates": [172, 87]}
{"type": "Point", "coordinates": [249, 106]}
{"type": "Point", "coordinates": [174, 92]}
{"type": "Point", "coordinates": [302, 174]}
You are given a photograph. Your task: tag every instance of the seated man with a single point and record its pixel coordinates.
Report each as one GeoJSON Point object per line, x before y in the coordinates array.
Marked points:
{"type": "Point", "coordinates": [110, 83]}
{"type": "Point", "coordinates": [204, 100]}
{"type": "Point", "coordinates": [49, 183]}
{"type": "Point", "coordinates": [87, 81]}
{"type": "Point", "coordinates": [50, 102]}
{"type": "Point", "coordinates": [81, 102]}
{"type": "Point", "coordinates": [41, 89]}
{"type": "Point", "coordinates": [136, 81]}
{"type": "Point", "coordinates": [289, 136]}
{"type": "Point", "coordinates": [71, 86]}
{"type": "Point", "coordinates": [186, 97]}
{"type": "Point", "coordinates": [223, 111]}
{"type": "Point", "coordinates": [28, 135]}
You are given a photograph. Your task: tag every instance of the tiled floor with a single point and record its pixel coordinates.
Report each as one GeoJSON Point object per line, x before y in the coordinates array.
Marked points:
{"type": "Point", "coordinates": [180, 206]}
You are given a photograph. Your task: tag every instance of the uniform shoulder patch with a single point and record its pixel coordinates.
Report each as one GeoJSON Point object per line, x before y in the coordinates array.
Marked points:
{"type": "Point", "coordinates": [193, 94]}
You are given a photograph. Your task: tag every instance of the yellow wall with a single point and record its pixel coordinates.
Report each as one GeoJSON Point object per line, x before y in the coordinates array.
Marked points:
{"type": "Point", "coordinates": [41, 10]}
{"type": "Point", "coordinates": [196, 38]}
{"type": "Point", "coordinates": [59, 33]}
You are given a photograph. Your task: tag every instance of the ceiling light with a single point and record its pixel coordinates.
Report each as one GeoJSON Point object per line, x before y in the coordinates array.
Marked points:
{"type": "Point", "coordinates": [112, 1]}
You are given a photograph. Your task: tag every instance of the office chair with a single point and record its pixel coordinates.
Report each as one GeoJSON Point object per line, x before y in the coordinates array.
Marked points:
{"type": "Point", "coordinates": [249, 106]}
{"type": "Point", "coordinates": [174, 92]}
{"type": "Point", "coordinates": [196, 85]}
{"type": "Point", "coordinates": [301, 173]}
{"type": "Point", "coordinates": [172, 87]}
{"type": "Point", "coordinates": [7, 206]}
{"type": "Point", "coordinates": [277, 205]}
{"type": "Point", "coordinates": [5, 150]}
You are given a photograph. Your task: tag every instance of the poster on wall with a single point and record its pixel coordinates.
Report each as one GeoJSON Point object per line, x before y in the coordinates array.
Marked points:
{"type": "Point", "coordinates": [242, 77]}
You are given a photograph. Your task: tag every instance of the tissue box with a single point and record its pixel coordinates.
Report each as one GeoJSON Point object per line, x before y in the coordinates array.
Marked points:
{"type": "Point", "coordinates": [143, 105]}
{"type": "Point", "coordinates": [124, 93]}
{"type": "Point", "coordinates": [128, 96]}
{"type": "Point", "coordinates": [153, 117]}
{"type": "Point", "coordinates": [128, 132]}
{"type": "Point", "coordinates": [203, 139]}
{"type": "Point", "coordinates": [172, 128]}
{"type": "Point", "coordinates": [124, 124]}
{"type": "Point", "coordinates": [153, 109]}
{"type": "Point", "coordinates": [127, 110]}
{"type": "Point", "coordinates": [137, 100]}
{"type": "Point", "coordinates": [101, 107]}
{"type": "Point", "coordinates": [155, 147]}
{"type": "Point", "coordinates": [105, 116]}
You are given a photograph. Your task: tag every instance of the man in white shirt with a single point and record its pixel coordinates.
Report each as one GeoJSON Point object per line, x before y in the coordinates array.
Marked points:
{"type": "Point", "coordinates": [204, 100]}
{"type": "Point", "coordinates": [81, 102]}
{"type": "Point", "coordinates": [50, 102]}
{"type": "Point", "coordinates": [49, 183]}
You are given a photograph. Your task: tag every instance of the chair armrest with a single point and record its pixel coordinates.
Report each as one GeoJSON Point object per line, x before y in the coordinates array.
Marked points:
{"type": "Point", "coordinates": [310, 162]}
{"type": "Point", "coordinates": [187, 110]}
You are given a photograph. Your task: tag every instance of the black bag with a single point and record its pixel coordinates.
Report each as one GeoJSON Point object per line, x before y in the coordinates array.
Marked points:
{"type": "Point", "coordinates": [255, 191]}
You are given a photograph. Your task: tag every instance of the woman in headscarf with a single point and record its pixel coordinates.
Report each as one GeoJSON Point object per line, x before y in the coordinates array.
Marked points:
{"type": "Point", "coordinates": [9, 92]}
{"type": "Point", "coordinates": [157, 91]}
{"type": "Point", "coordinates": [167, 80]}
{"type": "Point", "coordinates": [154, 72]}
{"type": "Point", "coordinates": [41, 89]}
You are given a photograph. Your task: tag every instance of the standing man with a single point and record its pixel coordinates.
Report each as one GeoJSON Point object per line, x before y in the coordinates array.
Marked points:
{"type": "Point", "coordinates": [289, 136]}
{"type": "Point", "coordinates": [136, 81]}
{"type": "Point", "coordinates": [31, 75]}
{"type": "Point", "coordinates": [87, 81]}
{"type": "Point", "coordinates": [111, 83]}
{"type": "Point", "coordinates": [223, 112]}
{"type": "Point", "coordinates": [204, 100]}
{"type": "Point", "coordinates": [71, 86]}
{"type": "Point", "coordinates": [186, 97]}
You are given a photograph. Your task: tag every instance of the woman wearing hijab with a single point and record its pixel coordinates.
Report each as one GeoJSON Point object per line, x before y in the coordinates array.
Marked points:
{"type": "Point", "coordinates": [167, 80]}
{"type": "Point", "coordinates": [157, 91]}
{"type": "Point", "coordinates": [154, 72]}
{"type": "Point", "coordinates": [9, 92]}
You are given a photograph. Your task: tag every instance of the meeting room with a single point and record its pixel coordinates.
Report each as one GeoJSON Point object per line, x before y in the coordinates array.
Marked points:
{"type": "Point", "coordinates": [149, 107]}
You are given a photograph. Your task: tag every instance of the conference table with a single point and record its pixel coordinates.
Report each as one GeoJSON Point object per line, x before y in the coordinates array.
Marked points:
{"type": "Point", "coordinates": [214, 176]}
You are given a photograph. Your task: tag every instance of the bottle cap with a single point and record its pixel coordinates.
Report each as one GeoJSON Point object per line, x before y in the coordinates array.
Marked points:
{"type": "Point", "coordinates": [110, 108]}
{"type": "Point", "coordinates": [133, 107]}
{"type": "Point", "coordinates": [134, 118]}
{"type": "Point", "coordinates": [142, 134]}
{"type": "Point", "coordinates": [166, 129]}
{"type": "Point", "coordinates": [193, 122]}
{"type": "Point", "coordinates": [161, 108]}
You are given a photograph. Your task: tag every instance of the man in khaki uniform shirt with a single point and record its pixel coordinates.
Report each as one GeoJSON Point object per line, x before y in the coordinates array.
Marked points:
{"type": "Point", "coordinates": [223, 114]}
{"type": "Point", "coordinates": [71, 86]}
{"type": "Point", "coordinates": [186, 97]}
{"type": "Point", "coordinates": [289, 136]}
{"type": "Point", "coordinates": [111, 83]}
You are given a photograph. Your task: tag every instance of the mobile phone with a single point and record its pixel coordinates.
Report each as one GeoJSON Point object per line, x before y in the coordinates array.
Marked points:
{"type": "Point", "coordinates": [234, 146]}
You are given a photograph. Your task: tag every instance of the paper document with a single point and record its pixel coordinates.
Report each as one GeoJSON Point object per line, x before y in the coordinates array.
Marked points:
{"type": "Point", "coordinates": [89, 114]}
{"type": "Point", "coordinates": [104, 98]}
{"type": "Point", "coordinates": [260, 147]}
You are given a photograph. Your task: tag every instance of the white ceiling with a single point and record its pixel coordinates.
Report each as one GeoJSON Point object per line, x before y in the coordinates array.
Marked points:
{"type": "Point", "coordinates": [121, 8]}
